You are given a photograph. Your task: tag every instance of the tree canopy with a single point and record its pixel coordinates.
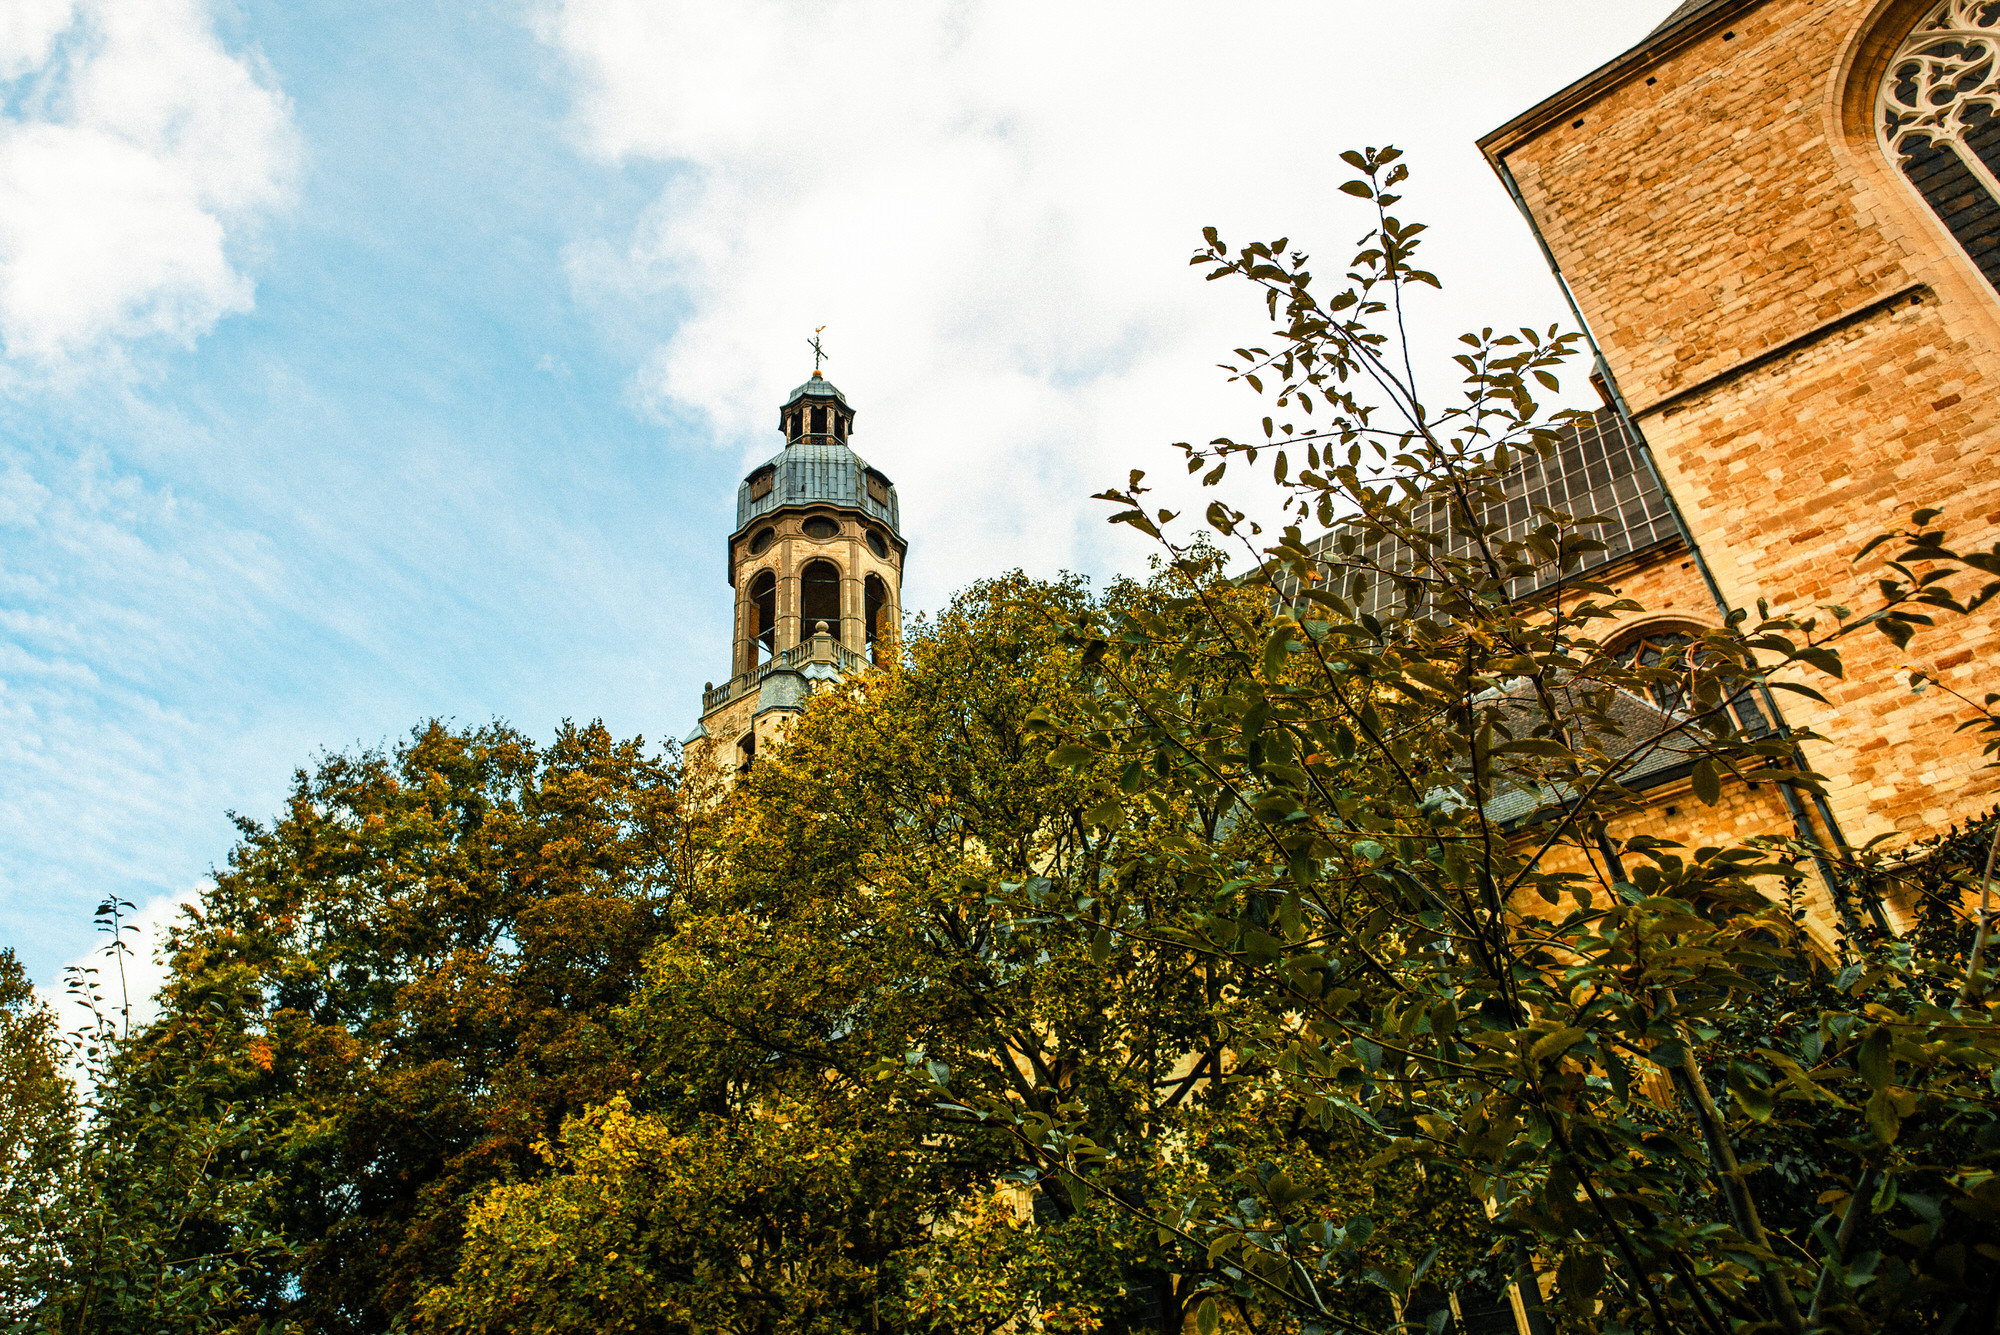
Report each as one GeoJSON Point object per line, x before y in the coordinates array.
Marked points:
{"type": "Point", "coordinates": [1294, 950]}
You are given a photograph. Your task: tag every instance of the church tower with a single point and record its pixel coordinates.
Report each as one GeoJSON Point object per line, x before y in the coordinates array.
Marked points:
{"type": "Point", "coordinates": [816, 562]}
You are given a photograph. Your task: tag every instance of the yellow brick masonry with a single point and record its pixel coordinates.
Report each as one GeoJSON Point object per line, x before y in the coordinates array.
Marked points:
{"type": "Point", "coordinates": [1809, 354]}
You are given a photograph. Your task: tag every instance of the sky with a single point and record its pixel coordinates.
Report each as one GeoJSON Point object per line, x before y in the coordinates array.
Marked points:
{"type": "Point", "coordinates": [370, 361]}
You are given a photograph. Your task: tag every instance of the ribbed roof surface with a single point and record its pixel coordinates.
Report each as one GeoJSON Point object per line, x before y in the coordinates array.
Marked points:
{"type": "Point", "coordinates": [829, 474]}
{"type": "Point", "coordinates": [1593, 471]}
{"type": "Point", "coordinates": [819, 387]}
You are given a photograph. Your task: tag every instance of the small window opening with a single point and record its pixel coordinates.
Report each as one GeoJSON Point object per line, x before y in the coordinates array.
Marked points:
{"type": "Point", "coordinates": [819, 595]}
{"type": "Point", "coordinates": [1660, 649]}
{"type": "Point", "coordinates": [763, 540]}
{"type": "Point", "coordinates": [819, 528]}
{"type": "Point", "coordinates": [878, 544]}
{"type": "Point", "coordinates": [875, 605]}
{"type": "Point", "coordinates": [746, 753]}
{"type": "Point", "coordinates": [764, 604]}
{"type": "Point", "coordinates": [878, 488]}
{"type": "Point", "coordinates": [761, 482]}
{"type": "Point", "coordinates": [819, 421]}
{"type": "Point", "coordinates": [1671, 650]}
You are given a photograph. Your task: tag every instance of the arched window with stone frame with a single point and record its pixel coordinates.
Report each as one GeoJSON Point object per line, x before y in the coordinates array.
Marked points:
{"type": "Point", "coordinates": [819, 598]}
{"type": "Point", "coordinates": [763, 618]}
{"type": "Point", "coordinates": [1670, 648]}
{"type": "Point", "coordinates": [1937, 116]}
{"type": "Point", "coordinates": [875, 613]}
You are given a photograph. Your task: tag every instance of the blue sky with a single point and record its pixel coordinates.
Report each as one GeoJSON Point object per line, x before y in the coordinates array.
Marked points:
{"type": "Point", "coordinates": [367, 362]}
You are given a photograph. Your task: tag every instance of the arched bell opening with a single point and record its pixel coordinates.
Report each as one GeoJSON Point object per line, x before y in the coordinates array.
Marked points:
{"type": "Point", "coordinates": [874, 613]}
{"type": "Point", "coordinates": [819, 598]}
{"type": "Point", "coordinates": [763, 618]}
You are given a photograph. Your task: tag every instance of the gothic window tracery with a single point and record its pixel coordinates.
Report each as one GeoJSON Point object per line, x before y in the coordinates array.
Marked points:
{"type": "Point", "coordinates": [1670, 649]}
{"type": "Point", "coordinates": [1938, 118]}
{"type": "Point", "coordinates": [1659, 648]}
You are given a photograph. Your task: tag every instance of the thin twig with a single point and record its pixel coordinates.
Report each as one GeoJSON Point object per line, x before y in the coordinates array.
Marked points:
{"type": "Point", "coordinates": [1985, 918]}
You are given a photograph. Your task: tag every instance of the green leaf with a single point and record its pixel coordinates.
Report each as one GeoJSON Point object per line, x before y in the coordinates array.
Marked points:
{"type": "Point", "coordinates": [1109, 813]}
{"type": "Point", "coordinates": [1580, 1277]}
{"type": "Point", "coordinates": [1753, 1098]}
{"type": "Point", "coordinates": [1883, 1118]}
{"type": "Point", "coordinates": [1554, 1045]}
{"type": "Point", "coordinates": [1873, 1059]}
{"type": "Point", "coordinates": [1707, 783]}
{"type": "Point", "coordinates": [1071, 757]}
{"type": "Point", "coordinates": [1100, 947]}
{"type": "Point", "coordinates": [1207, 1317]}
{"type": "Point", "coordinates": [1359, 189]}
{"type": "Point", "coordinates": [1277, 648]}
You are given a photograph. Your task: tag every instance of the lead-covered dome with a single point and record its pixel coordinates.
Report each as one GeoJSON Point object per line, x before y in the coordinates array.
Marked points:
{"type": "Point", "coordinates": [817, 474]}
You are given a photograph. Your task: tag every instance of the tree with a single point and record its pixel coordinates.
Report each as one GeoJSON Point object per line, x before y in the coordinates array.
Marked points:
{"type": "Point", "coordinates": [37, 1122]}
{"type": "Point", "coordinates": [1610, 1039]}
{"type": "Point", "coordinates": [402, 984]}
{"type": "Point", "coordinates": [885, 974]}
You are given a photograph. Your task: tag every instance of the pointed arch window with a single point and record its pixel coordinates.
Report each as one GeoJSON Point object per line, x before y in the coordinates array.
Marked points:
{"type": "Point", "coordinates": [1936, 118]}
{"type": "Point", "coordinates": [764, 614]}
{"type": "Point", "coordinates": [1672, 650]}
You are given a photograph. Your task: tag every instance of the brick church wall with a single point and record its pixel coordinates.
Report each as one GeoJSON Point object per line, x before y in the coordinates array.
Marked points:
{"type": "Point", "coordinates": [1808, 353]}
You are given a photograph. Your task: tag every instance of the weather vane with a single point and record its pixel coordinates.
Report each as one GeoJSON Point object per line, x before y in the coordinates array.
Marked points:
{"type": "Point", "coordinates": [818, 351]}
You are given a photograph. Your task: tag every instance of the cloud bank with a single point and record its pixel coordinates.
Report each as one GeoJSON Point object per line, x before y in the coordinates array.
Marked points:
{"type": "Point", "coordinates": [992, 206]}
{"type": "Point", "coordinates": [135, 153]}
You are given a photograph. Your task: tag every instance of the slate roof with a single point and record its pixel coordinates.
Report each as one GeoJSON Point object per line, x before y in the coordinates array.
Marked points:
{"type": "Point", "coordinates": [1639, 730]}
{"type": "Point", "coordinates": [822, 473]}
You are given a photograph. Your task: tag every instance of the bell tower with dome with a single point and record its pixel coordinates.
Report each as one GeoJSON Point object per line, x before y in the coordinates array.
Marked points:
{"type": "Point", "coordinates": [816, 562]}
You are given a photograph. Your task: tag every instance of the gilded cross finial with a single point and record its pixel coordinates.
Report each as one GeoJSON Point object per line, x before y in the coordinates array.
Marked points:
{"type": "Point", "coordinates": [818, 351]}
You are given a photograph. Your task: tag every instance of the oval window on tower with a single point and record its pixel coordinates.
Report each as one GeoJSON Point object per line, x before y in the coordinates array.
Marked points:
{"type": "Point", "coordinates": [878, 544]}
{"type": "Point", "coordinates": [819, 528]}
{"type": "Point", "coordinates": [762, 541]}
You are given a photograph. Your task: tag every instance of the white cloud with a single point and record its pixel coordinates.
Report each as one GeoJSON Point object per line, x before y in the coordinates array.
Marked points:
{"type": "Point", "coordinates": [136, 154]}
{"type": "Point", "coordinates": [992, 205]}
